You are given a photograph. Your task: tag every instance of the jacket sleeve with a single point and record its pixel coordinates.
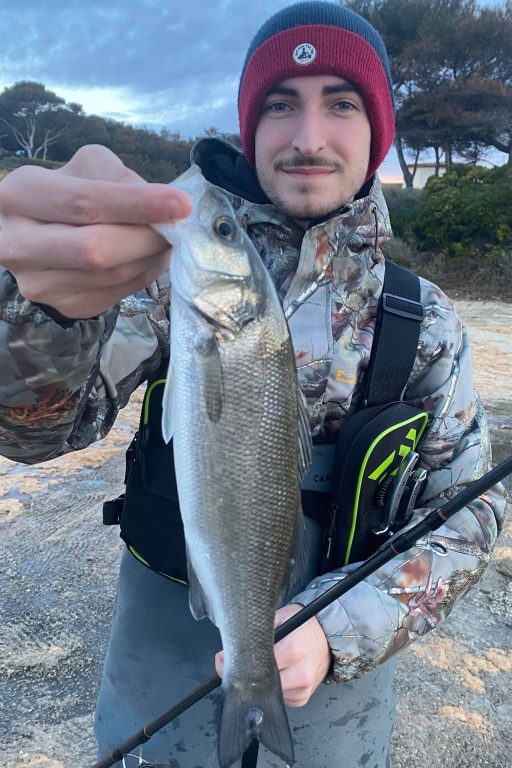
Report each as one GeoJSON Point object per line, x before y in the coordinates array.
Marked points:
{"type": "Point", "coordinates": [62, 384]}
{"type": "Point", "coordinates": [416, 590]}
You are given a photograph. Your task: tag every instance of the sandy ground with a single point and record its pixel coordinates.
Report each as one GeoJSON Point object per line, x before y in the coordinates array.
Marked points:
{"type": "Point", "coordinates": [57, 585]}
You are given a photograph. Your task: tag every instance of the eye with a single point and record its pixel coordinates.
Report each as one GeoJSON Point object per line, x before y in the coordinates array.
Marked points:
{"type": "Point", "coordinates": [277, 106]}
{"type": "Point", "coordinates": [225, 228]}
{"type": "Point", "coordinates": [344, 106]}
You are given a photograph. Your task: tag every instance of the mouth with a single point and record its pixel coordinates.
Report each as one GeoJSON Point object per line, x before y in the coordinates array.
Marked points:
{"type": "Point", "coordinates": [320, 172]}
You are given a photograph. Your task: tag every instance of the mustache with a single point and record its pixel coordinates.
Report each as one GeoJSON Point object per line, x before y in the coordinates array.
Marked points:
{"type": "Point", "coordinates": [301, 161]}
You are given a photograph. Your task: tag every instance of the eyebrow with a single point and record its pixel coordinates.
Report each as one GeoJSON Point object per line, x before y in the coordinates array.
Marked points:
{"type": "Point", "coordinates": [327, 90]}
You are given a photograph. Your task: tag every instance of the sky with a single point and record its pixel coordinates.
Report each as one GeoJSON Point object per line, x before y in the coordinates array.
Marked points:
{"type": "Point", "coordinates": [152, 63]}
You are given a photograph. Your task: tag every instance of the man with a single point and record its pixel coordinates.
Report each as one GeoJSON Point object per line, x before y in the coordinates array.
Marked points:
{"type": "Point", "coordinates": [316, 121]}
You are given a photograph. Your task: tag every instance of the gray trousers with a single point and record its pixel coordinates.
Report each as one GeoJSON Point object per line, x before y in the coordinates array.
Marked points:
{"type": "Point", "coordinates": [158, 653]}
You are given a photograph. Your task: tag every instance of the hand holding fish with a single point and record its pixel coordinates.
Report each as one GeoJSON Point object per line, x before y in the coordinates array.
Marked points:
{"type": "Point", "coordinates": [76, 239]}
{"type": "Point", "coordinates": [303, 658]}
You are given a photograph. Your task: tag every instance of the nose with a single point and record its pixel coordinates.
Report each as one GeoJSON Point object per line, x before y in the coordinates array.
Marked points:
{"type": "Point", "coordinates": [309, 138]}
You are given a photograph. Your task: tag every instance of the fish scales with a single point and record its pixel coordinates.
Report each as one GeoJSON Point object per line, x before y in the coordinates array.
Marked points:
{"type": "Point", "coordinates": [233, 471]}
{"type": "Point", "coordinates": [232, 405]}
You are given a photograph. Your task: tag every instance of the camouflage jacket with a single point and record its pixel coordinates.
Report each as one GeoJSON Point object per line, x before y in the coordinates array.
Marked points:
{"type": "Point", "coordinates": [62, 386]}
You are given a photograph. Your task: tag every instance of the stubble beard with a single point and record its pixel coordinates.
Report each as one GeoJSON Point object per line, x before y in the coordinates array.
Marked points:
{"type": "Point", "coordinates": [306, 208]}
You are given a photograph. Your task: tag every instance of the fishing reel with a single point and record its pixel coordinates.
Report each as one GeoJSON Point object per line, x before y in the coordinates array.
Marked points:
{"type": "Point", "coordinates": [397, 495]}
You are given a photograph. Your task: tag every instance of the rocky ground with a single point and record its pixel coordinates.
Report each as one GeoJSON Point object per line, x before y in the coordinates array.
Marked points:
{"type": "Point", "coordinates": [57, 582]}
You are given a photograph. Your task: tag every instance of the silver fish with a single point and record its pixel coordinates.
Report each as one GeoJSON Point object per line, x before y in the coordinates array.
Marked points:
{"type": "Point", "coordinates": [241, 440]}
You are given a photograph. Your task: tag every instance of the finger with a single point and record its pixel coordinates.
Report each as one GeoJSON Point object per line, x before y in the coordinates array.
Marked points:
{"type": "Point", "coordinates": [76, 294]}
{"type": "Point", "coordinates": [290, 648]}
{"type": "Point", "coordinates": [294, 693]}
{"type": "Point", "coordinates": [287, 657]}
{"type": "Point", "coordinates": [59, 246]}
{"type": "Point", "coordinates": [296, 700]}
{"type": "Point", "coordinates": [58, 284]}
{"type": "Point", "coordinates": [44, 195]}
{"type": "Point", "coordinates": [219, 663]}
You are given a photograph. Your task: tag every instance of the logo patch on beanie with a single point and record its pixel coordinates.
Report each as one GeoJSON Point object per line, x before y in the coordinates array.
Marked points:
{"type": "Point", "coordinates": [304, 54]}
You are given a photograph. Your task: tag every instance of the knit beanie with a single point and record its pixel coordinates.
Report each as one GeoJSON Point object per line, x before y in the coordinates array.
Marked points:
{"type": "Point", "coordinates": [318, 38]}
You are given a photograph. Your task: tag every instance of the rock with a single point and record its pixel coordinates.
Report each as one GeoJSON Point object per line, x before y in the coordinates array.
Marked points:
{"type": "Point", "coordinates": [505, 567]}
{"type": "Point", "coordinates": [501, 604]}
{"type": "Point", "coordinates": [37, 760]}
{"type": "Point", "coordinates": [473, 719]}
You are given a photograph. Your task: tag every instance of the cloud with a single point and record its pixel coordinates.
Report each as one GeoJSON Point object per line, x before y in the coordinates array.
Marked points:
{"type": "Point", "coordinates": [143, 45]}
{"type": "Point", "coordinates": [159, 61]}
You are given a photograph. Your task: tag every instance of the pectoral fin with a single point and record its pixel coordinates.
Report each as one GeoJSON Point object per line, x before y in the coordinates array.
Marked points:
{"type": "Point", "coordinates": [210, 373]}
{"type": "Point", "coordinates": [168, 402]}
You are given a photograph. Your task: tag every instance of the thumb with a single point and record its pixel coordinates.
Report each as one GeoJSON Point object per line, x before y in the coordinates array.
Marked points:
{"type": "Point", "coordinates": [98, 163]}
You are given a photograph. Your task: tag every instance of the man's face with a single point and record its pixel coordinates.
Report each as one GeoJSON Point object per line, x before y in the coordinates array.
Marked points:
{"type": "Point", "coordinates": [312, 145]}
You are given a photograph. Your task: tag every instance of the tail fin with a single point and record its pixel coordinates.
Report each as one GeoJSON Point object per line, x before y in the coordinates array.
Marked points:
{"type": "Point", "coordinates": [260, 714]}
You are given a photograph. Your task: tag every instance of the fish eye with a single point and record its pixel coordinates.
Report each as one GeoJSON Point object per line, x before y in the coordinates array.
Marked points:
{"type": "Point", "coordinates": [225, 228]}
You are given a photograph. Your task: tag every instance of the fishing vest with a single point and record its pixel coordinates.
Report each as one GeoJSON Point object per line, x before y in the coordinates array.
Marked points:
{"type": "Point", "coordinates": [362, 484]}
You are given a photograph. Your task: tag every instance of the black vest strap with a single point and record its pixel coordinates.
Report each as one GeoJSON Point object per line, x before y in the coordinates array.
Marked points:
{"type": "Point", "coordinates": [396, 336]}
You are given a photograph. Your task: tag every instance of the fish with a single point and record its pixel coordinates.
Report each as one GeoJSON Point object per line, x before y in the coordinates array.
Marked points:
{"type": "Point", "coordinates": [241, 439]}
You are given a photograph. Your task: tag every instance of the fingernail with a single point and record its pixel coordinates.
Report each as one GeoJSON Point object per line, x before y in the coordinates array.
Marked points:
{"type": "Point", "coordinates": [180, 207]}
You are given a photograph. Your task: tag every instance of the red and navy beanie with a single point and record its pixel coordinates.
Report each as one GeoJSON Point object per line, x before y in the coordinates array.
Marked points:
{"type": "Point", "coordinates": [319, 38]}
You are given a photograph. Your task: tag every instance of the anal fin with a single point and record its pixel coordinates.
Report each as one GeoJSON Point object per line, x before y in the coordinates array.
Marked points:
{"type": "Point", "coordinates": [305, 439]}
{"type": "Point", "coordinates": [199, 605]}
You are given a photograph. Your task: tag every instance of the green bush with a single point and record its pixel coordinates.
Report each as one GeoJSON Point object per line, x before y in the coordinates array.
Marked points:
{"type": "Point", "coordinates": [403, 205]}
{"type": "Point", "coordinates": [402, 251]}
{"type": "Point", "coordinates": [466, 213]}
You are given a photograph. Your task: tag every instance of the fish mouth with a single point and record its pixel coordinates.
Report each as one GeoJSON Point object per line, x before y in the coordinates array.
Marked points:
{"type": "Point", "coordinates": [228, 306]}
{"type": "Point", "coordinates": [191, 182]}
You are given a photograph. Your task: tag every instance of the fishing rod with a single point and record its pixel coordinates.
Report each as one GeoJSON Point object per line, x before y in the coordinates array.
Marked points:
{"type": "Point", "coordinates": [400, 542]}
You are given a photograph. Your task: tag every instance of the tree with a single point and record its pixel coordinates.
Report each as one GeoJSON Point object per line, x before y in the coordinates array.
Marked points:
{"type": "Point", "coordinates": [460, 117]}
{"type": "Point", "coordinates": [33, 116]}
{"type": "Point", "coordinates": [451, 66]}
{"type": "Point", "coordinates": [46, 127]}
{"type": "Point", "coordinates": [81, 129]}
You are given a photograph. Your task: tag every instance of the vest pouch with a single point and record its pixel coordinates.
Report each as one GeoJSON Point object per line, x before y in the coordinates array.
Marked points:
{"type": "Point", "coordinates": [372, 447]}
{"type": "Point", "coordinates": [150, 523]}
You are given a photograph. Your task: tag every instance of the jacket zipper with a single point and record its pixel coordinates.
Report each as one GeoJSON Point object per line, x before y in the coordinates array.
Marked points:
{"type": "Point", "coordinates": [333, 509]}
